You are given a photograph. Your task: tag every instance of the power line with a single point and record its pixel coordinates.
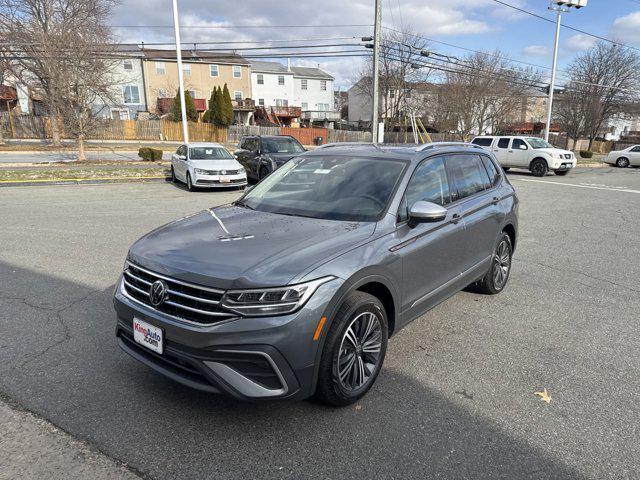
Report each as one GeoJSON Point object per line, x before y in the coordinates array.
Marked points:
{"type": "Point", "coordinates": [584, 32]}
{"type": "Point", "coordinates": [222, 27]}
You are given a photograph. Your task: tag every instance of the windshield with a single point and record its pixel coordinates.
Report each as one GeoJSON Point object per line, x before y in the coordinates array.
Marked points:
{"type": "Point", "coordinates": [328, 187]}
{"type": "Point", "coordinates": [281, 145]}
{"type": "Point", "coordinates": [208, 153]}
{"type": "Point", "coordinates": [538, 143]}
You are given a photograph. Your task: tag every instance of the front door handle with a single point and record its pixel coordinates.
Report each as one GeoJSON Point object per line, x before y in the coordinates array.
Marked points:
{"type": "Point", "coordinates": [495, 200]}
{"type": "Point", "coordinates": [455, 218]}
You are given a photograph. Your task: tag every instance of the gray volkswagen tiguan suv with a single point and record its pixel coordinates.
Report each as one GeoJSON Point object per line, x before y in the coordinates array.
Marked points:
{"type": "Point", "coordinates": [294, 289]}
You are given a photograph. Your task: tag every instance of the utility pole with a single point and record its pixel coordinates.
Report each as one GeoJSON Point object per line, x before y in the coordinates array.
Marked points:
{"type": "Point", "coordinates": [559, 6]}
{"type": "Point", "coordinates": [376, 69]}
{"type": "Point", "coordinates": [183, 107]}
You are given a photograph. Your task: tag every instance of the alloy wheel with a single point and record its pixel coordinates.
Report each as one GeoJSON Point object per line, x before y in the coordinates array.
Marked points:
{"type": "Point", "coordinates": [501, 264]}
{"type": "Point", "coordinates": [623, 162]}
{"type": "Point", "coordinates": [360, 350]}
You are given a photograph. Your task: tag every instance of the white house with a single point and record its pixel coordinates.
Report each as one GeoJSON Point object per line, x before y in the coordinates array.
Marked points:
{"type": "Point", "coordinates": [313, 91]}
{"type": "Point", "coordinates": [128, 90]}
{"type": "Point", "coordinates": [272, 84]}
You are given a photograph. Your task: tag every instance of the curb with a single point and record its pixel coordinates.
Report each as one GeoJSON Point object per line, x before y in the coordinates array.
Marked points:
{"type": "Point", "coordinates": [84, 181]}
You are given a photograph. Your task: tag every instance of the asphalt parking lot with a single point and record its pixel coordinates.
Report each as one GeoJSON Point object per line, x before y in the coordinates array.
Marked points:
{"type": "Point", "coordinates": [456, 395]}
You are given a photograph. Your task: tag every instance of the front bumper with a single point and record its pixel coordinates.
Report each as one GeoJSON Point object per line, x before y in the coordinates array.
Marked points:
{"type": "Point", "coordinates": [246, 358]}
{"type": "Point", "coordinates": [213, 181]}
{"type": "Point", "coordinates": [562, 165]}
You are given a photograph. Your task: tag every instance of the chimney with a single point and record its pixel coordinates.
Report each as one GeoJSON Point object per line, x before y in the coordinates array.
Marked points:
{"type": "Point", "coordinates": [288, 64]}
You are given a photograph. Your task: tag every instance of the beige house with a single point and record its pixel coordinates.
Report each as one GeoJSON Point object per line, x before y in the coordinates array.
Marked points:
{"type": "Point", "coordinates": [202, 72]}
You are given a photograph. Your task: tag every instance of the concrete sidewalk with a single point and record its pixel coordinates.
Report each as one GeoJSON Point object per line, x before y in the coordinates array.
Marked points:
{"type": "Point", "coordinates": [34, 448]}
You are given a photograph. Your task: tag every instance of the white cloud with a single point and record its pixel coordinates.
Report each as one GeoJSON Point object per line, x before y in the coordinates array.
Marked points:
{"type": "Point", "coordinates": [627, 28]}
{"type": "Point", "coordinates": [432, 18]}
{"type": "Point", "coordinates": [535, 51]}
{"type": "Point", "coordinates": [579, 43]}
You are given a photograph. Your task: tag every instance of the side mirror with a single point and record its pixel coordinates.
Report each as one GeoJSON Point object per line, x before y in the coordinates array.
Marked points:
{"type": "Point", "coordinates": [523, 147]}
{"type": "Point", "coordinates": [182, 157]}
{"type": "Point", "coordinates": [426, 212]}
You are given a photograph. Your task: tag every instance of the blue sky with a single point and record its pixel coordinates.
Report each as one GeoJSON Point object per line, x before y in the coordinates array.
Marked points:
{"type": "Point", "coordinates": [475, 24]}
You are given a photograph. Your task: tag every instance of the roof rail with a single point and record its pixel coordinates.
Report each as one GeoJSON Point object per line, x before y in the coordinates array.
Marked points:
{"type": "Point", "coordinates": [348, 144]}
{"type": "Point", "coordinates": [428, 146]}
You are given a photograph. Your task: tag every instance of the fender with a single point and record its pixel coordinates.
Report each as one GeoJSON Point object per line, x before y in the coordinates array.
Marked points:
{"type": "Point", "coordinates": [373, 274]}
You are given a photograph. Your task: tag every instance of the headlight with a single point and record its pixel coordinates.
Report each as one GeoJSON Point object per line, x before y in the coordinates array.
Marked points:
{"type": "Point", "coordinates": [199, 171]}
{"type": "Point", "coordinates": [271, 301]}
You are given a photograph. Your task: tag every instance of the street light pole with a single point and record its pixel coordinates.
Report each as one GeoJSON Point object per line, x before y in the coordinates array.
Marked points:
{"type": "Point", "coordinates": [376, 68]}
{"type": "Point", "coordinates": [559, 6]}
{"type": "Point", "coordinates": [183, 107]}
{"type": "Point", "coordinates": [553, 75]}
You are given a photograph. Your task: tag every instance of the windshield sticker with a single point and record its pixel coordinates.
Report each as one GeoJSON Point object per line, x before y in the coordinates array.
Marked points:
{"type": "Point", "coordinates": [209, 152]}
{"type": "Point", "coordinates": [322, 171]}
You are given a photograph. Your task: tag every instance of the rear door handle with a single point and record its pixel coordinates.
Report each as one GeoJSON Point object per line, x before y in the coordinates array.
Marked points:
{"type": "Point", "coordinates": [455, 218]}
{"type": "Point", "coordinates": [495, 200]}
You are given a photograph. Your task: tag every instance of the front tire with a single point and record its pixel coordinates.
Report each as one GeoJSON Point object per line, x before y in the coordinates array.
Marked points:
{"type": "Point", "coordinates": [173, 176]}
{"type": "Point", "coordinates": [539, 167]}
{"type": "Point", "coordinates": [354, 350]}
{"type": "Point", "coordinates": [190, 186]}
{"type": "Point", "coordinates": [497, 277]}
{"type": "Point", "coordinates": [622, 162]}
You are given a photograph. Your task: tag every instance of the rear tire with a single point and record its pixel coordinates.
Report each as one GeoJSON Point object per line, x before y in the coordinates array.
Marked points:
{"type": "Point", "coordinates": [173, 176]}
{"type": "Point", "coordinates": [562, 173]}
{"type": "Point", "coordinates": [497, 276]}
{"type": "Point", "coordinates": [354, 351]}
{"type": "Point", "coordinates": [539, 167]}
{"type": "Point", "coordinates": [622, 162]}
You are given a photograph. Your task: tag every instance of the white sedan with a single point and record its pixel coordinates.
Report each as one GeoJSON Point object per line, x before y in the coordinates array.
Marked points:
{"type": "Point", "coordinates": [207, 165]}
{"type": "Point", "coordinates": [625, 158]}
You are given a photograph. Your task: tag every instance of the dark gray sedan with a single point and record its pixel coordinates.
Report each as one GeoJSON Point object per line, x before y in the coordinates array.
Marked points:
{"type": "Point", "coordinates": [295, 289]}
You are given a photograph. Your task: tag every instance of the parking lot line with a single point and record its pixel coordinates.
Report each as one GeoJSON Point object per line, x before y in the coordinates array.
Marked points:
{"type": "Point", "coordinates": [594, 187]}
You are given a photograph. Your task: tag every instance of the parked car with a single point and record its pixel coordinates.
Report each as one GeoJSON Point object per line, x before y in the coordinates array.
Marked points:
{"type": "Point", "coordinates": [531, 153]}
{"type": "Point", "coordinates": [207, 165]}
{"type": "Point", "coordinates": [625, 158]}
{"type": "Point", "coordinates": [261, 155]}
{"type": "Point", "coordinates": [295, 288]}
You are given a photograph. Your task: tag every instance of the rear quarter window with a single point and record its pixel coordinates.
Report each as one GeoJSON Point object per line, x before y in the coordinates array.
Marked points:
{"type": "Point", "coordinates": [483, 142]}
{"type": "Point", "coordinates": [504, 143]}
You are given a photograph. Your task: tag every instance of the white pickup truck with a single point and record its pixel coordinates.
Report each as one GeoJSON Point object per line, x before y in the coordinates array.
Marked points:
{"type": "Point", "coordinates": [531, 153]}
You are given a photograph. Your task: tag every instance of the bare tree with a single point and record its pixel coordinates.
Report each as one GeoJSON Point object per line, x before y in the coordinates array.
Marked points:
{"type": "Point", "coordinates": [569, 112]}
{"type": "Point", "coordinates": [483, 93]}
{"type": "Point", "coordinates": [400, 54]}
{"type": "Point", "coordinates": [604, 81]}
{"type": "Point", "coordinates": [63, 50]}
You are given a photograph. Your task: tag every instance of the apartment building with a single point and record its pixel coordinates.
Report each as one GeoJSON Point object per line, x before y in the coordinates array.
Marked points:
{"type": "Point", "coordinates": [202, 72]}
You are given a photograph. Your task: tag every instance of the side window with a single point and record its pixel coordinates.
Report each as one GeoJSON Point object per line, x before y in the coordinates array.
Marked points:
{"type": "Point", "coordinates": [494, 175]}
{"type": "Point", "coordinates": [469, 175]}
{"type": "Point", "coordinates": [519, 144]}
{"type": "Point", "coordinates": [636, 149]}
{"type": "Point", "coordinates": [503, 143]}
{"type": "Point", "coordinates": [483, 142]}
{"type": "Point", "coordinates": [428, 183]}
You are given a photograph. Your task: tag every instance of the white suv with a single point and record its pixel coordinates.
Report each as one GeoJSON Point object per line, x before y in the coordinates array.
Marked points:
{"type": "Point", "coordinates": [531, 153]}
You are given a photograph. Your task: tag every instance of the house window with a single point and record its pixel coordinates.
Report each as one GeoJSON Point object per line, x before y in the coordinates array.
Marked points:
{"type": "Point", "coordinates": [162, 93]}
{"type": "Point", "coordinates": [213, 70]}
{"type": "Point", "coordinates": [160, 68]}
{"type": "Point", "coordinates": [305, 106]}
{"type": "Point", "coordinates": [260, 79]}
{"type": "Point", "coordinates": [237, 72]}
{"type": "Point", "coordinates": [280, 79]}
{"type": "Point", "coordinates": [127, 64]}
{"type": "Point", "coordinates": [323, 107]}
{"type": "Point", "coordinates": [131, 94]}
{"type": "Point", "coordinates": [323, 85]}
{"type": "Point", "coordinates": [261, 102]}
{"type": "Point", "coordinates": [237, 95]}
{"type": "Point", "coordinates": [186, 69]}
{"type": "Point", "coordinates": [119, 114]}
{"type": "Point", "coordinates": [285, 103]}
{"type": "Point", "coordinates": [193, 93]}
{"type": "Point", "coordinates": [303, 84]}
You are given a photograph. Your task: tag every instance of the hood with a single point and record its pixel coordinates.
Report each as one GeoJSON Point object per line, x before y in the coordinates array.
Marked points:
{"type": "Point", "coordinates": [234, 247]}
{"type": "Point", "coordinates": [281, 158]}
{"type": "Point", "coordinates": [554, 150]}
{"type": "Point", "coordinates": [221, 164]}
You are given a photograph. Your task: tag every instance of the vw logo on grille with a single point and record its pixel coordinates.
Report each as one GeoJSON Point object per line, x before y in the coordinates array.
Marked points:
{"type": "Point", "coordinates": [223, 172]}
{"type": "Point", "coordinates": [157, 293]}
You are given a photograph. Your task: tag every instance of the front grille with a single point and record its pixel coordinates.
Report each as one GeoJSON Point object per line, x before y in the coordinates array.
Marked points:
{"type": "Point", "coordinates": [186, 301]}
{"type": "Point", "coordinates": [226, 172]}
